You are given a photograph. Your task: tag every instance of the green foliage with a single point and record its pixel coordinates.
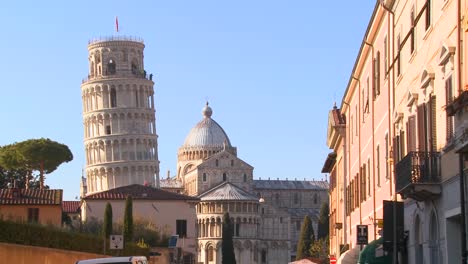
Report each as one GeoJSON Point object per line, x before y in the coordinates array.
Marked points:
{"type": "Point", "coordinates": [149, 232]}
{"type": "Point", "coordinates": [320, 249]}
{"type": "Point", "coordinates": [128, 219]}
{"type": "Point", "coordinates": [92, 226]}
{"type": "Point", "coordinates": [323, 223]}
{"type": "Point", "coordinates": [228, 256]}
{"type": "Point", "coordinates": [43, 155]}
{"type": "Point", "coordinates": [52, 237]}
{"type": "Point", "coordinates": [107, 227]}
{"type": "Point", "coordinates": [306, 238]}
{"type": "Point", "coordinates": [141, 243]}
{"type": "Point", "coordinates": [13, 175]}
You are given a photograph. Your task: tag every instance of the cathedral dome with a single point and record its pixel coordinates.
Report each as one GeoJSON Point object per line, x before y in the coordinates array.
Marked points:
{"type": "Point", "coordinates": [207, 133]}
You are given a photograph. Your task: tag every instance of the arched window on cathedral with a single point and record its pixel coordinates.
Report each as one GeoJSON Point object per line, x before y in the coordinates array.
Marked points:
{"type": "Point", "coordinates": [245, 177]}
{"type": "Point", "coordinates": [224, 177]}
{"type": "Point", "coordinates": [232, 163]}
{"type": "Point", "coordinates": [113, 97]}
{"type": "Point", "coordinates": [111, 68]}
{"type": "Point", "coordinates": [204, 177]}
{"type": "Point", "coordinates": [315, 199]}
{"type": "Point", "coordinates": [264, 256]}
{"type": "Point", "coordinates": [217, 163]}
{"type": "Point", "coordinates": [210, 253]}
{"type": "Point", "coordinates": [296, 198]}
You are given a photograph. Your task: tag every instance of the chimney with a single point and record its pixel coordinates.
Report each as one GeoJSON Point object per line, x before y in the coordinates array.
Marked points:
{"type": "Point", "coordinates": [168, 174]}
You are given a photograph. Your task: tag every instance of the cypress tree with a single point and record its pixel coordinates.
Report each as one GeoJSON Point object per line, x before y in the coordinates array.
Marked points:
{"type": "Point", "coordinates": [107, 229]}
{"type": "Point", "coordinates": [228, 256]}
{"type": "Point", "coordinates": [128, 219]}
{"type": "Point", "coordinates": [306, 238]}
{"type": "Point", "coordinates": [323, 224]}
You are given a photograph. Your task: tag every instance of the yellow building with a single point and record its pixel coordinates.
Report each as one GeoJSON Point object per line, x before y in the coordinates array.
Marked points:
{"type": "Point", "coordinates": [31, 205]}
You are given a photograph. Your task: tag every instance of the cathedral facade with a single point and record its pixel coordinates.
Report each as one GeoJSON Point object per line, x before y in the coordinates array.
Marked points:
{"type": "Point", "coordinates": [267, 214]}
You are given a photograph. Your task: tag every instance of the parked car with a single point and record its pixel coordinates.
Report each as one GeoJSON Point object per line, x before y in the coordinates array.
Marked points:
{"type": "Point", "coordinates": [115, 260]}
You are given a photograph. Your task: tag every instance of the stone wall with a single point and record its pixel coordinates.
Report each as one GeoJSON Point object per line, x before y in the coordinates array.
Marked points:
{"type": "Point", "coordinates": [20, 254]}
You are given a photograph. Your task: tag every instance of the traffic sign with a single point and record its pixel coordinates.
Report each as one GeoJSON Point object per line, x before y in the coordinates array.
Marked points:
{"type": "Point", "coordinates": [116, 242]}
{"type": "Point", "coordinates": [361, 235]}
{"type": "Point", "coordinates": [332, 260]}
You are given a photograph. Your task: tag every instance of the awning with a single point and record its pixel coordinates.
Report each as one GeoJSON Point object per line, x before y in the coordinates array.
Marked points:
{"type": "Point", "coordinates": [368, 256]}
{"type": "Point", "coordinates": [349, 256]}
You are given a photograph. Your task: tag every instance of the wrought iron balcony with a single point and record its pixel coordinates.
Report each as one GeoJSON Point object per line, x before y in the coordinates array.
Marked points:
{"type": "Point", "coordinates": [418, 175]}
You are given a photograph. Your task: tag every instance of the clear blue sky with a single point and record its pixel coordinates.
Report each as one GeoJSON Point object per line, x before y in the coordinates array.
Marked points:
{"type": "Point", "coordinates": [271, 71]}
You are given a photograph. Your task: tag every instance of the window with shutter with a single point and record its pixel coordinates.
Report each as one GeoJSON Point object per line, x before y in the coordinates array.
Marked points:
{"type": "Point", "coordinates": [377, 75]}
{"type": "Point", "coordinates": [411, 133]}
{"type": "Point", "coordinates": [422, 128]}
{"type": "Point", "coordinates": [448, 100]}
{"type": "Point", "coordinates": [432, 124]}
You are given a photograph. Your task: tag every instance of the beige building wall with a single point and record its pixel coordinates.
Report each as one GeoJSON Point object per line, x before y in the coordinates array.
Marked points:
{"type": "Point", "coordinates": [48, 214]}
{"type": "Point", "coordinates": [162, 213]}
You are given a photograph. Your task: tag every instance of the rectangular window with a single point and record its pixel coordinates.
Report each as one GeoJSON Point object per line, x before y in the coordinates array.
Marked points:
{"type": "Point", "coordinates": [448, 100]}
{"type": "Point", "coordinates": [385, 56]}
{"type": "Point", "coordinates": [426, 114]}
{"type": "Point", "coordinates": [413, 31]}
{"type": "Point", "coordinates": [363, 182]}
{"type": "Point", "coordinates": [378, 164]}
{"type": "Point", "coordinates": [298, 225]}
{"type": "Point", "coordinates": [428, 14]}
{"type": "Point", "coordinates": [366, 104]}
{"type": "Point", "coordinates": [377, 75]}
{"type": "Point", "coordinates": [411, 133]}
{"type": "Point", "coordinates": [387, 166]}
{"type": "Point", "coordinates": [368, 178]}
{"type": "Point", "coordinates": [33, 215]}
{"type": "Point", "coordinates": [181, 227]}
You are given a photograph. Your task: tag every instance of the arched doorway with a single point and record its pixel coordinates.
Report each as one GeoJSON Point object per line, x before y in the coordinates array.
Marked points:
{"type": "Point", "coordinates": [434, 239]}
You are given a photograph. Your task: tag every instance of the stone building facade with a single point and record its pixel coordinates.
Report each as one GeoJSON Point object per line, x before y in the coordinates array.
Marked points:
{"type": "Point", "coordinates": [267, 214]}
{"type": "Point", "coordinates": [400, 135]}
{"type": "Point", "coordinates": [118, 117]}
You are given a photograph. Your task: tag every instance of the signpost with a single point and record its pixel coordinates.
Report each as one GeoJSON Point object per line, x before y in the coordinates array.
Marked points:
{"type": "Point", "coordinates": [361, 235]}
{"type": "Point", "coordinates": [116, 242]}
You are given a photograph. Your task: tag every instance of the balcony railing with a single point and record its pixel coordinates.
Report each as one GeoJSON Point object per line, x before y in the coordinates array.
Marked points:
{"type": "Point", "coordinates": [418, 175]}
{"type": "Point", "coordinates": [120, 74]}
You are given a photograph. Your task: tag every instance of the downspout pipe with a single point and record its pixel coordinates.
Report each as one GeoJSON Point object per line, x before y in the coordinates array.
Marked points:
{"type": "Point", "coordinates": [391, 102]}
{"type": "Point", "coordinates": [358, 119]}
{"type": "Point", "coordinates": [373, 140]}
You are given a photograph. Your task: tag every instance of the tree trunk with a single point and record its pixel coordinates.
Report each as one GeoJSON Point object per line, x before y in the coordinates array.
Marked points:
{"type": "Point", "coordinates": [41, 177]}
{"type": "Point", "coordinates": [27, 179]}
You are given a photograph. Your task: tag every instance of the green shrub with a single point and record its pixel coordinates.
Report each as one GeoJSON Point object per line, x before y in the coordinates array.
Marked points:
{"type": "Point", "coordinates": [52, 237]}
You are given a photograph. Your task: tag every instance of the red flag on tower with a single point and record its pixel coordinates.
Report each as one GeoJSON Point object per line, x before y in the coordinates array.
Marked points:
{"type": "Point", "coordinates": [117, 24]}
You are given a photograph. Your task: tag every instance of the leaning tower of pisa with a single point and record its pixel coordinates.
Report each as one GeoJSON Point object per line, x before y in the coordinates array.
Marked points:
{"type": "Point", "coordinates": [119, 116]}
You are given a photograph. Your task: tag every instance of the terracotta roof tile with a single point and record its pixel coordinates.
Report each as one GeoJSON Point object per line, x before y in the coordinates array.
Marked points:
{"type": "Point", "coordinates": [71, 206]}
{"type": "Point", "coordinates": [16, 196]}
{"type": "Point", "coordinates": [290, 185]}
{"type": "Point", "coordinates": [138, 192]}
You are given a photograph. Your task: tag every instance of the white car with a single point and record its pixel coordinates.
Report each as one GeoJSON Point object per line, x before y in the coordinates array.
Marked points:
{"type": "Point", "coordinates": [115, 260]}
